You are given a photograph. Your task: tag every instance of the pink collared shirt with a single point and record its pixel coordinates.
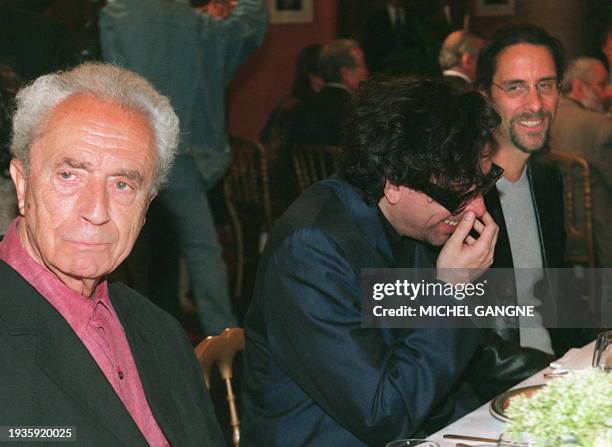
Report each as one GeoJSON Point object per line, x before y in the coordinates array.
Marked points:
{"type": "Point", "coordinates": [96, 324]}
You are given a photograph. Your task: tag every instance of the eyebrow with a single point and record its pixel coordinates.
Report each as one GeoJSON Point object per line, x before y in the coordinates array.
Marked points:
{"type": "Point", "coordinates": [74, 163]}
{"type": "Point", "coordinates": [130, 174]}
{"type": "Point", "coordinates": [522, 81]}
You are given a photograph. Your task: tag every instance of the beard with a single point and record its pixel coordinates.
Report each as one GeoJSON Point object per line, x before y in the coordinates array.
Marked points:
{"type": "Point", "coordinates": [534, 141]}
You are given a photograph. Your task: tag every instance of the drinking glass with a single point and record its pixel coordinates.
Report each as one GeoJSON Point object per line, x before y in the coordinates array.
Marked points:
{"type": "Point", "coordinates": [602, 357]}
{"type": "Point", "coordinates": [413, 443]}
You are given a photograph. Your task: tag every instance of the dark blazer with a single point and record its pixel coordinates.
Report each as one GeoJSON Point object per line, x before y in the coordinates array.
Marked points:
{"type": "Point", "coordinates": [458, 83]}
{"type": "Point", "coordinates": [513, 362]}
{"type": "Point", "coordinates": [547, 196]}
{"type": "Point", "coordinates": [48, 378]}
{"type": "Point", "coordinates": [313, 375]}
{"type": "Point", "coordinates": [412, 51]}
{"type": "Point", "coordinates": [319, 119]}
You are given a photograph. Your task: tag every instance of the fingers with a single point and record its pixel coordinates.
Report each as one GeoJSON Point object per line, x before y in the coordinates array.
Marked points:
{"type": "Point", "coordinates": [488, 235]}
{"type": "Point", "coordinates": [463, 228]}
{"type": "Point", "coordinates": [470, 240]}
{"type": "Point", "coordinates": [478, 226]}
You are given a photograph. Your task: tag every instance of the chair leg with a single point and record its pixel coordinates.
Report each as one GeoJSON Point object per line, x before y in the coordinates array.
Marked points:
{"type": "Point", "coordinates": [234, 421]}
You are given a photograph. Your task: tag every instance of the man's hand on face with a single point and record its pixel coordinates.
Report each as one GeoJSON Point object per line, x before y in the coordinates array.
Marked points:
{"type": "Point", "coordinates": [463, 258]}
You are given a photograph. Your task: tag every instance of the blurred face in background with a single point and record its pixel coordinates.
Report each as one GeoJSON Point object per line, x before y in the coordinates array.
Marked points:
{"type": "Point", "coordinates": [352, 77]}
{"type": "Point", "coordinates": [594, 90]}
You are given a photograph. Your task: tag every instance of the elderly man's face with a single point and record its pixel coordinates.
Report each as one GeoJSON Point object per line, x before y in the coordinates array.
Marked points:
{"type": "Point", "coordinates": [88, 189]}
{"type": "Point", "coordinates": [594, 96]}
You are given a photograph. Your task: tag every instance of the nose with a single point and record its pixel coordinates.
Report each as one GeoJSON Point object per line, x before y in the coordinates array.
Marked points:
{"type": "Point", "coordinates": [94, 204]}
{"type": "Point", "coordinates": [533, 99]}
{"type": "Point", "coordinates": [477, 206]}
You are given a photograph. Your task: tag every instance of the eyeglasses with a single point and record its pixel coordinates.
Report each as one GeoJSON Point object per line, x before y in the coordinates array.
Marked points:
{"type": "Point", "coordinates": [455, 203]}
{"type": "Point", "coordinates": [546, 87]}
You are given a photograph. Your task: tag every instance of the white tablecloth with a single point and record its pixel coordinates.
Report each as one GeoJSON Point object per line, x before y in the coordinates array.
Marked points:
{"type": "Point", "coordinates": [481, 423]}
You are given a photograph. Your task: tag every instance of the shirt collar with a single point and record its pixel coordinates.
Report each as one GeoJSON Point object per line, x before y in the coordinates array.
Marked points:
{"type": "Point", "coordinates": [451, 72]}
{"type": "Point", "coordinates": [74, 307]}
{"type": "Point", "coordinates": [338, 85]}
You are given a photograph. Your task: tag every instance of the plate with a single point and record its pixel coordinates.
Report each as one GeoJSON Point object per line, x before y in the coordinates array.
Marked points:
{"type": "Point", "coordinates": [499, 405]}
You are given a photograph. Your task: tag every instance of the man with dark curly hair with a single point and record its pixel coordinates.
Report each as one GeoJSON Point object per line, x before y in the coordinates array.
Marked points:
{"type": "Point", "coordinates": [414, 171]}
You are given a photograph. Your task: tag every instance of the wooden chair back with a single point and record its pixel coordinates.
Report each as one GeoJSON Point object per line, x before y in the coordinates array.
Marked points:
{"type": "Point", "coordinates": [247, 195]}
{"type": "Point", "coordinates": [578, 204]}
{"type": "Point", "coordinates": [314, 162]}
{"type": "Point", "coordinates": [221, 350]}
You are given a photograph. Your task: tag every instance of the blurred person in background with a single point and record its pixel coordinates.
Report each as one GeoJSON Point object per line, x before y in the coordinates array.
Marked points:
{"type": "Point", "coordinates": [581, 127]}
{"type": "Point", "coordinates": [585, 83]}
{"type": "Point", "coordinates": [190, 56]}
{"type": "Point", "coordinates": [397, 42]}
{"type": "Point", "coordinates": [458, 58]}
{"type": "Point", "coordinates": [606, 49]}
{"type": "Point", "coordinates": [319, 118]}
{"type": "Point", "coordinates": [276, 135]}
{"type": "Point", "coordinates": [9, 84]}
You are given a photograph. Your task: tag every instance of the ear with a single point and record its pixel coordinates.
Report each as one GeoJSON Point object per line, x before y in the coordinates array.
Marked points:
{"type": "Point", "coordinates": [19, 179]}
{"type": "Point", "coordinates": [467, 60]}
{"type": "Point", "coordinates": [392, 193]}
{"type": "Point", "coordinates": [578, 90]}
{"type": "Point", "coordinates": [345, 75]}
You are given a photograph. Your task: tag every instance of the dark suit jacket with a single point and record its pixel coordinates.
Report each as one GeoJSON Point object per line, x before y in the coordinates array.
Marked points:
{"type": "Point", "coordinates": [414, 51]}
{"type": "Point", "coordinates": [313, 375]}
{"type": "Point", "coordinates": [319, 119]}
{"type": "Point", "coordinates": [458, 83]}
{"type": "Point", "coordinates": [513, 362]}
{"type": "Point", "coordinates": [48, 378]}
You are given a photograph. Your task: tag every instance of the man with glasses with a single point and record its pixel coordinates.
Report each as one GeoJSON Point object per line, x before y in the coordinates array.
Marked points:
{"type": "Point", "coordinates": [519, 70]}
{"type": "Point", "coordinates": [408, 195]}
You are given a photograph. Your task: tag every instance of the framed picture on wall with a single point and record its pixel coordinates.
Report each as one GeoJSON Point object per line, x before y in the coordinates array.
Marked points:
{"type": "Point", "coordinates": [494, 8]}
{"type": "Point", "coordinates": [290, 11]}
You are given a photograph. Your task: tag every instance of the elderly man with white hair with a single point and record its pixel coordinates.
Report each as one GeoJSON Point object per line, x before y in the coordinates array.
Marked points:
{"type": "Point", "coordinates": [582, 127]}
{"type": "Point", "coordinates": [83, 356]}
{"type": "Point", "coordinates": [458, 58]}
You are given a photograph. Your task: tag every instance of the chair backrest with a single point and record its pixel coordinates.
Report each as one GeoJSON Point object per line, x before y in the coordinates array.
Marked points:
{"type": "Point", "coordinates": [314, 162]}
{"type": "Point", "coordinates": [247, 194]}
{"type": "Point", "coordinates": [220, 350]}
{"type": "Point", "coordinates": [577, 204]}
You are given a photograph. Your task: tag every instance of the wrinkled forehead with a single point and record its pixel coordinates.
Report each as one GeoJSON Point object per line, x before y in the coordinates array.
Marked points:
{"type": "Point", "coordinates": [85, 122]}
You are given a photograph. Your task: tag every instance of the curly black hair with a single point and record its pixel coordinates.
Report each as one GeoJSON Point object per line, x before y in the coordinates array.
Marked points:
{"type": "Point", "coordinates": [411, 131]}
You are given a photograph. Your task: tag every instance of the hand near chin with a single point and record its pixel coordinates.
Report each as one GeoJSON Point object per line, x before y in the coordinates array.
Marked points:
{"type": "Point", "coordinates": [463, 258]}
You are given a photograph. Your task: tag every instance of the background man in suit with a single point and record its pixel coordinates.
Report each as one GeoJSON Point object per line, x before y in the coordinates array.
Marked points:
{"type": "Point", "coordinates": [519, 69]}
{"type": "Point", "coordinates": [318, 120]}
{"type": "Point", "coordinates": [582, 127]}
{"type": "Point", "coordinates": [458, 58]}
{"type": "Point", "coordinates": [91, 147]}
{"type": "Point", "coordinates": [396, 42]}
{"type": "Point", "coordinates": [412, 180]}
